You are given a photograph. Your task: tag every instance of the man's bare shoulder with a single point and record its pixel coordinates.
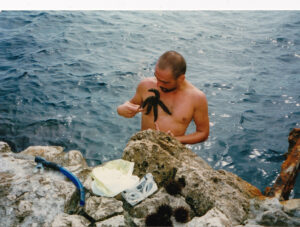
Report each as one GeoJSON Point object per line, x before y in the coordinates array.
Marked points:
{"type": "Point", "coordinates": [196, 92]}
{"type": "Point", "coordinates": [198, 95]}
{"type": "Point", "coordinates": [146, 83]}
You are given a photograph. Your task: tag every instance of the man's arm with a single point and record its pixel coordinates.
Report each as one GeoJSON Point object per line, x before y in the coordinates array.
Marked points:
{"type": "Point", "coordinates": [202, 123]}
{"type": "Point", "coordinates": [131, 108]}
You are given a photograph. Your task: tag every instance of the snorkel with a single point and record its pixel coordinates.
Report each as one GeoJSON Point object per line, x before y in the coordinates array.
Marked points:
{"type": "Point", "coordinates": [44, 163]}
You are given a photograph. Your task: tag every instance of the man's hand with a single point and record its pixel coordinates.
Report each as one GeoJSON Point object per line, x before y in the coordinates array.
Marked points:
{"type": "Point", "coordinates": [129, 109]}
{"type": "Point", "coordinates": [168, 132]}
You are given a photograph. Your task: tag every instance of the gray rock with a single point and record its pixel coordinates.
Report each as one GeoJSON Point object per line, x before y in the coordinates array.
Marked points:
{"type": "Point", "coordinates": [213, 198]}
{"type": "Point", "coordinates": [88, 182]}
{"type": "Point", "coordinates": [118, 220]}
{"type": "Point", "coordinates": [213, 218]}
{"type": "Point", "coordinates": [27, 198]}
{"type": "Point", "coordinates": [292, 207]}
{"type": "Point", "coordinates": [101, 208]}
{"type": "Point", "coordinates": [65, 220]}
{"type": "Point", "coordinates": [51, 153]}
{"type": "Point", "coordinates": [72, 160]}
{"type": "Point", "coordinates": [4, 147]}
{"type": "Point", "coordinates": [6, 180]}
{"type": "Point", "coordinates": [271, 212]}
{"type": "Point", "coordinates": [24, 209]}
{"type": "Point", "coordinates": [138, 213]}
{"type": "Point", "coordinates": [206, 188]}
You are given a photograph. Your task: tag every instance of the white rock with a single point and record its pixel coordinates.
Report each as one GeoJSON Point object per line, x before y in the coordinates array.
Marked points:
{"type": "Point", "coordinates": [112, 222]}
{"type": "Point", "coordinates": [213, 218]}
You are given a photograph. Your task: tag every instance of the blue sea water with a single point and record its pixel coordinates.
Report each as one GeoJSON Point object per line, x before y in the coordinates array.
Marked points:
{"type": "Point", "coordinates": [63, 74]}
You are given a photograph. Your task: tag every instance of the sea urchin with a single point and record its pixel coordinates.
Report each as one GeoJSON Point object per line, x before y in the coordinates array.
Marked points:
{"type": "Point", "coordinates": [181, 214]}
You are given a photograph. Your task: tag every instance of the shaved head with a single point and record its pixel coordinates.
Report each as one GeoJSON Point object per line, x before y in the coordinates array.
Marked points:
{"type": "Point", "coordinates": [173, 61]}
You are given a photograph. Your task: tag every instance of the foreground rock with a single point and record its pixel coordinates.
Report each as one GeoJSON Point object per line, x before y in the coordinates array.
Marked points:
{"type": "Point", "coordinates": [211, 198]}
{"type": "Point", "coordinates": [28, 198]}
{"type": "Point", "coordinates": [207, 192]}
{"type": "Point", "coordinates": [205, 188]}
{"type": "Point", "coordinates": [289, 169]}
{"type": "Point", "coordinates": [49, 198]}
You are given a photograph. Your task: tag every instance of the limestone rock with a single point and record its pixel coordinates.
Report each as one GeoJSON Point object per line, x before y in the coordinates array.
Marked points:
{"type": "Point", "coordinates": [160, 154]}
{"type": "Point", "coordinates": [213, 218]}
{"type": "Point", "coordinates": [167, 159]}
{"type": "Point", "coordinates": [139, 212]}
{"type": "Point", "coordinates": [291, 206]}
{"type": "Point", "coordinates": [4, 147]}
{"type": "Point", "coordinates": [72, 160]}
{"type": "Point", "coordinates": [6, 179]}
{"type": "Point", "coordinates": [65, 220]}
{"type": "Point", "coordinates": [27, 198]}
{"type": "Point", "coordinates": [118, 220]}
{"type": "Point", "coordinates": [88, 182]}
{"type": "Point", "coordinates": [271, 212]}
{"type": "Point", "coordinates": [24, 208]}
{"type": "Point", "coordinates": [213, 198]}
{"type": "Point", "coordinates": [50, 153]}
{"type": "Point", "coordinates": [100, 208]}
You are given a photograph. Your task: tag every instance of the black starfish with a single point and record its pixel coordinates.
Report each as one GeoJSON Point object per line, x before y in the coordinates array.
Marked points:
{"type": "Point", "coordinates": [154, 101]}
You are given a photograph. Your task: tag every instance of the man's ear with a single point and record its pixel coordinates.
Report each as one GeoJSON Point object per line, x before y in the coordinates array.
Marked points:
{"type": "Point", "coordinates": [181, 78]}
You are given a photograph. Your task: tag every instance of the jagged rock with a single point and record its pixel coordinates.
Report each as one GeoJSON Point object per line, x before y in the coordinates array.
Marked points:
{"type": "Point", "coordinates": [294, 136]}
{"type": "Point", "coordinates": [271, 212]}
{"type": "Point", "coordinates": [285, 181]}
{"type": "Point", "coordinates": [5, 181]}
{"type": "Point", "coordinates": [65, 220]}
{"type": "Point", "coordinates": [213, 218]}
{"type": "Point", "coordinates": [72, 160]}
{"type": "Point", "coordinates": [206, 188]}
{"type": "Point", "coordinates": [100, 208]}
{"type": "Point", "coordinates": [118, 220]}
{"type": "Point", "coordinates": [160, 153]}
{"type": "Point", "coordinates": [88, 182]}
{"type": "Point", "coordinates": [24, 209]}
{"type": "Point", "coordinates": [28, 198]}
{"type": "Point", "coordinates": [291, 206]}
{"type": "Point", "coordinates": [213, 198]}
{"type": "Point", "coordinates": [138, 213]}
{"type": "Point", "coordinates": [51, 153]}
{"type": "Point", "coordinates": [4, 147]}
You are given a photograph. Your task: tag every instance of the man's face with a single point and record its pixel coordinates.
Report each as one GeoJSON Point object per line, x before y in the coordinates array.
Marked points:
{"type": "Point", "coordinates": [165, 79]}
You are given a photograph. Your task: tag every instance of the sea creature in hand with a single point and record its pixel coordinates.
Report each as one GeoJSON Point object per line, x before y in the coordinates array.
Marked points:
{"type": "Point", "coordinates": [154, 101]}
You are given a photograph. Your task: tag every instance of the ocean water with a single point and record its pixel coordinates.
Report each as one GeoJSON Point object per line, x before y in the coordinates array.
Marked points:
{"type": "Point", "coordinates": [63, 74]}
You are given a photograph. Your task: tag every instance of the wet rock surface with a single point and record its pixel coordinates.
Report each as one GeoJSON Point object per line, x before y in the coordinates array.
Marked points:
{"type": "Point", "coordinates": [138, 213]}
{"type": "Point", "coordinates": [118, 220]}
{"type": "Point", "coordinates": [65, 220]}
{"type": "Point", "coordinates": [101, 208]}
{"type": "Point", "coordinates": [205, 188]}
{"type": "Point", "coordinates": [210, 197]}
{"type": "Point", "coordinates": [27, 197]}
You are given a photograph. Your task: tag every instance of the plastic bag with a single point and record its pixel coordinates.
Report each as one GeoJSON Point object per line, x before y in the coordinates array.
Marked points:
{"type": "Point", "coordinates": [145, 188]}
{"type": "Point", "coordinates": [113, 177]}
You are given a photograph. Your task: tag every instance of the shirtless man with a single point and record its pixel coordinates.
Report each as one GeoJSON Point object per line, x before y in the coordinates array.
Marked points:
{"type": "Point", "coordinates": [185, 102]}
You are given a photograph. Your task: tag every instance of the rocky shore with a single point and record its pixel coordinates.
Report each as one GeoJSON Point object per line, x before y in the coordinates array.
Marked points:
{"type": "Point", "coordinates": [209, 197]}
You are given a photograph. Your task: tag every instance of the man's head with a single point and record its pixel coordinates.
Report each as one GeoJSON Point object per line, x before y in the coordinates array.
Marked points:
{"type": "Point", "coordinates": [170, 71]}
{"type": "Point", "coordinates": [173, 61]}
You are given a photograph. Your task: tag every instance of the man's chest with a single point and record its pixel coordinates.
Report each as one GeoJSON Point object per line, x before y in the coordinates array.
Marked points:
{"type": "Point", "coordinates": [181, 109]}
{"type": "Point", "coordinates": [177, 107]}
